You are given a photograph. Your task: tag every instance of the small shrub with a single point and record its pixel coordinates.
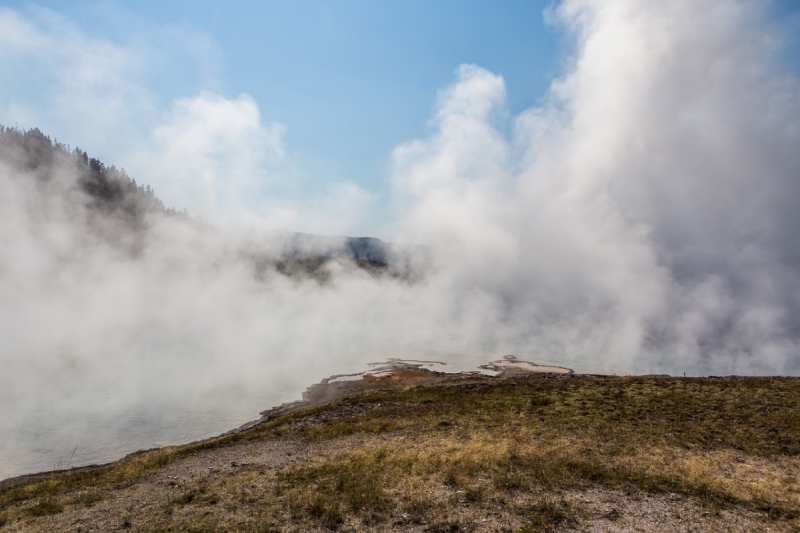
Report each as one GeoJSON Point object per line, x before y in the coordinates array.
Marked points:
{"type": "Point", "coordinates": [87, 499]}
{"type": "Point", "coordinates": [328, 515]}
{"type": "Point", "coordinates": [186, 498]}
{"type": "Point", "coordinates": [541, 401]}
{"type": "Point", "coordinates": [199, 495]}
{"type": "Point", "coordinates": [507, 481]}
{"type": "Point", "coordinates": [417, 510]}
{"type": "Point", "coordinates": [443, 527]}
{"type": "Point", "coordinates": [451, 477]}
{"type": "Point", "coordinates": [546, 515]}
{"type": "Point", "coordinates": [475, 494]}
{"type": "Point", "coordinates": [295, 507]}
{"type": "Point", "coordinates": [46, 507]}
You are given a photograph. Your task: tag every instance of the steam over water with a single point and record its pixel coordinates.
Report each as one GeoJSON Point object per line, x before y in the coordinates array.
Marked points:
{"type": "Point", "coordinates": [642, 219]}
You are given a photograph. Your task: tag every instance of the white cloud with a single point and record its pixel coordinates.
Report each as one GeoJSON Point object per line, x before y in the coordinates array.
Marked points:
{"type": "Point", "coordinates": [207, 153]}
{"type": "Point", "coordinates": [213, 155]}
{"type": "Point", "coordinates": [61, 79]}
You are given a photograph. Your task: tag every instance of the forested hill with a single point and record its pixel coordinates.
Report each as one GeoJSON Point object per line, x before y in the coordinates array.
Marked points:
{"type": "Point", "coordinates": [64, 184]}
{"type": "Point", "coordinates": [107, 189]}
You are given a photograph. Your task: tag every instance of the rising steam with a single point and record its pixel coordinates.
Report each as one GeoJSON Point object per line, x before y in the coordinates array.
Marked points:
{"type": "Point", "coordinates": [643, 217]}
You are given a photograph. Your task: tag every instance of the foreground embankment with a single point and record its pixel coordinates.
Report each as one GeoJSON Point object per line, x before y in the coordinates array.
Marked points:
{"type": "Point", "coordinates": [415, 450]}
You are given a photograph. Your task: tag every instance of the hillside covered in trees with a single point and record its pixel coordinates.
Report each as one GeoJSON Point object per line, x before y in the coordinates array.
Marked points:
{"type": "Point", "coordinates": [112, 206]}
{"type": "Point", "coordinates": [107, 189]}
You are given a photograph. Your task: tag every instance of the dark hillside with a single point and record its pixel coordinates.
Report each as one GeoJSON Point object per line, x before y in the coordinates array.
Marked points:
{"type": "Point", "coordinates": [107, 190]}
{"type": "Point", "coordinates": [104, 203]}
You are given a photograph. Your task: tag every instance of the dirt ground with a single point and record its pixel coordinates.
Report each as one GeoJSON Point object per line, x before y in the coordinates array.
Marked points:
{"type": "Point", "coordinates": [158, 502]}
{"type": "Point", "coordinates": [415, 451]}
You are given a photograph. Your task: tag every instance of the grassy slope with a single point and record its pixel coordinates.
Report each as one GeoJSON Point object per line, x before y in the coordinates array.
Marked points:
{"type": "Point", "coordinates": [480, 443]}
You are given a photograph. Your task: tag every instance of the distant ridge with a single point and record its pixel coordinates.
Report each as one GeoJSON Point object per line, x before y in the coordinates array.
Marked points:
{"type": "Point", "coordinates": [114, 199]}
{"type": "Point", "coordinates": [110, 189]}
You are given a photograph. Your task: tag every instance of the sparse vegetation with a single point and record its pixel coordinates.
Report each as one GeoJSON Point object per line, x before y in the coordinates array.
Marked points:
{"type": "Point", "coordinates": [46, 507]}
{"type": "Point", "coordinates": [546, 515]}
{"type": "Point", "coordinates": [87, 499]}
{"type": "Point", "coordinates": [436, 458]}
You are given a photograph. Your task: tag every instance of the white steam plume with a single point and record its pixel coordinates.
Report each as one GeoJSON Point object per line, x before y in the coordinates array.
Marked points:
{"type": "Point", "coordinates": [643, 218]}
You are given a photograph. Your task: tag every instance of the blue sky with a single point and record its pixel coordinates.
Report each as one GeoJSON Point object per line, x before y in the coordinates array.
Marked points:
{"type": "Point", "coordinates": [347, 81]}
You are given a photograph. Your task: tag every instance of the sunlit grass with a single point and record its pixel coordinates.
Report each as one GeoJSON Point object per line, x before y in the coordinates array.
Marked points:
{"type": "Point", "coordinates": [426, 452]}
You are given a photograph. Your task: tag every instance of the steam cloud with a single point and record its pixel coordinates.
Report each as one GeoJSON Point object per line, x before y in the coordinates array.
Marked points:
{"type": "Point", "coordinates": [644, 217]}
{"type": "Point", "coordinates": [641, 219]}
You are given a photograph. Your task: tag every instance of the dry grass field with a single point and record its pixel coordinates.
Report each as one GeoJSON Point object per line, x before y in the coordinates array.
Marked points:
{"type": "Point", "coordinates": [543, 452]}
